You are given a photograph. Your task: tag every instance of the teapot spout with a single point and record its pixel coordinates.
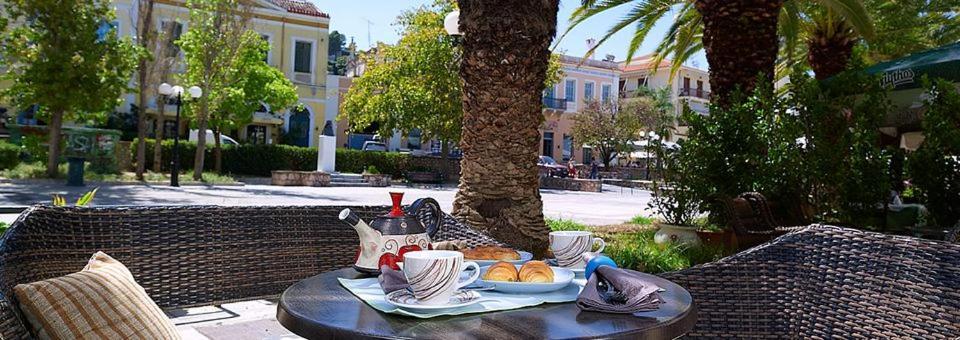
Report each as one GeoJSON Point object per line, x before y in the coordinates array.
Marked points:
{"type": "Point", "coordinates": [365, 231]}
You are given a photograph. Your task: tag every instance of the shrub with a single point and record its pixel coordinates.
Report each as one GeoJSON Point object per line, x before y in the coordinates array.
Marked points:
{"type": "Point", "coordinates": [372, 170]}
{"type": "Point", "coordinates": [9, 155]}
{"type": "Point", "coordinates": [935, 166]}
{"type": "Point", "coordinates": [638, 251]}
{"type": "Point", "coordinates": [355, 161]}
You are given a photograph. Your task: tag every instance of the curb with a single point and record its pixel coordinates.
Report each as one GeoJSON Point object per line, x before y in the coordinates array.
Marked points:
{"type": "Point", "coordinates": [88, 183]}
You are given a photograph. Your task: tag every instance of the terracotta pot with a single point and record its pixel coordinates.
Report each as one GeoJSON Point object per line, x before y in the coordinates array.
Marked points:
{"type": "Point", "coordinates": [725, 238]}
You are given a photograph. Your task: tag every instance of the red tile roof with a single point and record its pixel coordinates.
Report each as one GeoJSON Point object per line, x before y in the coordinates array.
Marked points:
{"type": "Point", "coordinates": [644, 62]}
{"type": "Point", "coordinates": [300, 7]}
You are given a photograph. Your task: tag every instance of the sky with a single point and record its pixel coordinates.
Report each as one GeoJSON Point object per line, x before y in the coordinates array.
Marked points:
{"type": "Point", "coordinates": [353, 16]}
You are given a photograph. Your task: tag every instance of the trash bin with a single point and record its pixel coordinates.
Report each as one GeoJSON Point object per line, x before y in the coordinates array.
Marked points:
{"type": "Point", "coordinates": [75, 171]}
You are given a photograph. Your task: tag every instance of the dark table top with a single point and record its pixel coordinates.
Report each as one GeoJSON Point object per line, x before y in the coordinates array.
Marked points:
{"type": "Point", "coordinates": [319, 308]}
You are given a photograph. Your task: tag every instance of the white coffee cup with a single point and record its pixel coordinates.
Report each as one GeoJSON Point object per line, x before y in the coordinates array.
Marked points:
{"type": "Point", "coordinates": [568, 247]}
{"type": "Point", "coordinates": [435, 274]}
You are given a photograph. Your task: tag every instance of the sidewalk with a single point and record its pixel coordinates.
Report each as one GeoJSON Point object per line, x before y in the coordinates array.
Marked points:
{"type": "Point", "coordinates": [611, 206]}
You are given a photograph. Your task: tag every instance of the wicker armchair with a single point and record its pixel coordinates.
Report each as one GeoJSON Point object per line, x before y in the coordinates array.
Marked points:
{"type": "Point", "coordinates": [825, 282]}
{"type": "Point", "coordinates": [187, 256]}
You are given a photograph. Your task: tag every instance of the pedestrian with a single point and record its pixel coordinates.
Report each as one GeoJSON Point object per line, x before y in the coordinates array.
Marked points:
{"type": "Point", "coordinates": [594, 169]}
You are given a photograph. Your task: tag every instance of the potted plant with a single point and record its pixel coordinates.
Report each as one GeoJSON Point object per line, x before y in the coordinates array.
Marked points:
{"type": "Point", "coordinates": [674, 201]}
{"type": "Point", "coordinates": [716, 235]}
{"type": "Point", "coordinates": [373, 176]}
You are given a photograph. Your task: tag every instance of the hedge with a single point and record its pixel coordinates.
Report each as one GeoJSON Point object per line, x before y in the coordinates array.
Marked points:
{"type": "Point", "coordinates": [260, 160]}
{"type": "Point", "coordinates": [9, 155]}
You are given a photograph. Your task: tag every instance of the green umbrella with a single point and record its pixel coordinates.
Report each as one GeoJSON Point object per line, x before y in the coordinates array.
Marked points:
{"type": "Point", "coordinates": [905, 73]}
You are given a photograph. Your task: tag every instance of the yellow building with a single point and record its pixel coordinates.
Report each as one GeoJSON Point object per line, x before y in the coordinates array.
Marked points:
{"type": "Point", "coordinates": [297, 33]}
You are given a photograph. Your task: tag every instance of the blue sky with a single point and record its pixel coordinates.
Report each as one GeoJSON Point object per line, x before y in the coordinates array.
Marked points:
{"type": "Point", "coordinates": [350, 18]}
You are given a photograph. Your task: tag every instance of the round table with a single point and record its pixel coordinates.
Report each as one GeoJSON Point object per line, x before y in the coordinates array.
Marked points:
{"type": "Point", "coordinates": [319, 308]}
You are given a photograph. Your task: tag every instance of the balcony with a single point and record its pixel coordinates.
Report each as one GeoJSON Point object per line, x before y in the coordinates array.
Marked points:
{"type": "Point", "coordinates": [554, 103]}
{"type": "Point", "coordinates": [697, 93]}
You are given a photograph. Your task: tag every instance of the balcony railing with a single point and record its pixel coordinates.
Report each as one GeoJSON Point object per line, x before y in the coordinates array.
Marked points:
{"type": "Point", "coordinates": [555, 103]}
{"type": "Point", "coordinates": [691, 92]}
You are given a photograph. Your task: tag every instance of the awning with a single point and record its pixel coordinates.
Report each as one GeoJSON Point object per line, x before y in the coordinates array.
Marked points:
{"type": "Point", "coordinates": [905, 73]}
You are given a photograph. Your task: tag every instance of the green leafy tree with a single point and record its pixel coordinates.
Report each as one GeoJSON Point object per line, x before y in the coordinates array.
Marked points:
{"type": "Point", "coordinates": [935, 166]}
{"type": "Point", "coordinates": [68, 60]}
{"type": "Point", "coordinates": [610, 127]}
{"type": "Point", "coordinates": [250, 84]}
{"type": "Point", "coordinates": [219, 48]}
{"type": "Point", "coordinates": [336, 47]}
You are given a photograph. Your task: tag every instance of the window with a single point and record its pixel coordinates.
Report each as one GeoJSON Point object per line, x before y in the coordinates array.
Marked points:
{"type": "Point", "coordinates": [605, 92]}
{"type": "Point", "coordinates": [548, 144]}
{"type": "Point", "coordinates": [567, 147]}
{"type": "Point", "coordinates": [588, 90]}
{"type": "Point", "coordinates": [257, 134]}
{"type": "Point", "coordinates": [266, 56]}
{"type": "Point", "coordinates": [641, 82]}
{"type": "Point", "coordinates": [303, 57]}
{"type": "Point", "coordinates": [570, 90]}
{"type": "Point", "coordinates": [107, 27]}
{"type": "Point", "coordinates": [172, 30]}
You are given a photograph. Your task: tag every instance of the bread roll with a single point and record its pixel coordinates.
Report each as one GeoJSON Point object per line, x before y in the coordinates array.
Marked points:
{"type": "Point", "coordinates": [536, 271]}
{"type": "Point", "coordinates": [490, 253]}
{"type": "Point", "coordinates": [501, 271]}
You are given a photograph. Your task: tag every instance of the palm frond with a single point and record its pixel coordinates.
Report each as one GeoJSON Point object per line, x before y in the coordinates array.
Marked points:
{"type": "Point", "coordinates": [644, 14]}
{"type": "Point", "coordinates": [854, 13]}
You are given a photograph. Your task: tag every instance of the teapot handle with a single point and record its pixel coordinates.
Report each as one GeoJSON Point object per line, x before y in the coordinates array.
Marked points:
{"type": "Point", "coordinates": [427, 210]}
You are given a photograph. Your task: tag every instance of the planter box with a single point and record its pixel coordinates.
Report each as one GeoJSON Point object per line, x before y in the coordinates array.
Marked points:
{"type": "Point", "coordinates": [378, 180]}
{"type": "Point", "coordinates": [573, 184]}
{"type": "Point", "coordinates": [300, 178]}
{"type": "Point", "coordinates": [422, 177]}
{"type": "Point", "coordinates": [726, 238]}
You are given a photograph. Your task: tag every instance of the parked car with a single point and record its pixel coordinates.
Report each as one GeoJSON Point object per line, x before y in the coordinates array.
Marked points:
{"type": "Point", "coordinates": [374, 146]}
{"type": "Point", "coordinates": [550, 167]}
{"type": "Point", "coordinates": [224, 139]}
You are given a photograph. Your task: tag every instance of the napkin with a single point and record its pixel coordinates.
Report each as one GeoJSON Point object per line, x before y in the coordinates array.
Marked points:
{"type": "Point", "coordinates": [391, 279]}
{"type": "Point", "coordinates": [613, 290]}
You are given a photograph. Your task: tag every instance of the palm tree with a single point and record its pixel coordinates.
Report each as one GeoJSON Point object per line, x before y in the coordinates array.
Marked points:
{"type": "Point", "coordinates": [503, 68]}
{"type": "Point", "coordinates": [740, 37]}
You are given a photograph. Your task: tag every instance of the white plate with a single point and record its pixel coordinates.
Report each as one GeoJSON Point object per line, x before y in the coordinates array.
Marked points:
{"type": "Point", "coordinates": [405, 300]}
{"type": "Point", "coordinates": [561, 278]}
{"type": "Point", "coordinates": [524, 257]}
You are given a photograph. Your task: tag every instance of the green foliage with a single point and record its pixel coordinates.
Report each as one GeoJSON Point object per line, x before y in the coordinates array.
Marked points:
{"type": "Point", "coordinates": [673, 196]}
{"type": "Point", "coordinates": [9, 155]}
{"type": "Point", "coordinates": [564, 225]}
{"type": "Point", "coordinates": [83, 200]}
{"type": "Point", "coordinates": [608, 129]}
{"type": "Point", "coordinates": [904, 27]}
{"type": "Point", "coordinates": [935, 166]}
{"type": "Point", "coordinates": [642, 220]}
{"type": "Point", "coordinates": [355, 161]}
{"type": "Point", "coordinates": [35, 147]}
{"type": "Point", "coordinates": [3, 227]}
{"type": "Point", "coordinates": [638, 251]}
{"type": "Point", "coordinates": [372, 170]}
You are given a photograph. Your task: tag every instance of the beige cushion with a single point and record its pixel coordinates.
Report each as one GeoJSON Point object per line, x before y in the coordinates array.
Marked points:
{"type": "Point", "coordinates": [102, 301]}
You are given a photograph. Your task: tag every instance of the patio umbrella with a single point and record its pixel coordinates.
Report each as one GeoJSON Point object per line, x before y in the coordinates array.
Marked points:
{"type": "Point", "coordinates": [903, 77]}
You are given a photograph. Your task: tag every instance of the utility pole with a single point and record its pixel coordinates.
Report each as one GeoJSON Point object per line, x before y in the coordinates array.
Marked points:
{"type": "Point", "coordinates": [369, 23]}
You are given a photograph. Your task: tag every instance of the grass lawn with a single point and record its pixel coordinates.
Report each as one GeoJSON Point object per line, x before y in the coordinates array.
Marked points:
{"type": "Point", "coordinates": [37, 170]}
{"type": "Point", "coordinates": [631, 246]}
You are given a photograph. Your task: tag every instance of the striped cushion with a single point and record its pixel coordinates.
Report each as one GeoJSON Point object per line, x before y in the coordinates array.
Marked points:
{"type": "Point", "coordinates": [102, 301]}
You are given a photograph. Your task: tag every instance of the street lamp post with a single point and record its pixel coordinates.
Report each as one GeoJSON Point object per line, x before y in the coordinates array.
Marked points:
{"type": "Point", "coordinates": [168, 91]}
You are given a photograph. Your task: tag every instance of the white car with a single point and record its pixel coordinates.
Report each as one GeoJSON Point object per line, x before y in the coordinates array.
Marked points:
{"type": "Point", "coordinates": [224, 139]}
{"type": "Point", "coordinates": [374, 146]}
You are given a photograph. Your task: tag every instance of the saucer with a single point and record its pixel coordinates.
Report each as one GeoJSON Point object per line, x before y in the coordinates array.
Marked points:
{"type": "Point", "coordinates": [524, 257]}
{"type": "Point", "coordinates": [405, 300]}
{"type": "Point", "coordinates": [561, 279]}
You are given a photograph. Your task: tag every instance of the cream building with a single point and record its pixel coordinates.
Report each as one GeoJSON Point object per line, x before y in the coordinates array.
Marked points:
{"type": "Point", "coordinates": [297, 33]}
{"type": "Point", "coordinates": [690, 86]}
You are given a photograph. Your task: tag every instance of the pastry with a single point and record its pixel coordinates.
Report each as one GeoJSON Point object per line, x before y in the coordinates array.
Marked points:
{"type": "Point", "coordinates": [536, 271]}
{"type": "Point", "coordinates": [491, 253]}
{"type": "Point", "coordinates": [501, 271]}
{"type": "Point", "coordinates": [450, 245]}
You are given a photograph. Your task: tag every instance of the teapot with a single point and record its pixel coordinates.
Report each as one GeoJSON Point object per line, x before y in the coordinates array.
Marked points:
{"type": "Point", "coordinates": [388, 237]}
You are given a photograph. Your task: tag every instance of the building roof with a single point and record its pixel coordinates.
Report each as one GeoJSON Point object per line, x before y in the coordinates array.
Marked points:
{"type": "Point", "coordinates": [566, 59]}
{"type": "Point", "coordinates": [644, 62]}
{"type": "Point", "coordinates": [300, 7]}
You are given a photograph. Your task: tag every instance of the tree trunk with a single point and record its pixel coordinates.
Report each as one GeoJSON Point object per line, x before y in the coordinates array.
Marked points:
{"type": "Point", "coordinates": [53, 138]}
{"type": "Point", "coordinates": [144, 33]}
{"type": "Point", "coordinates": [503, 68]}
{"type": "Point", "coordinates": [158, 144]}
{"type": "Point", "coordinates": [217, 152]}
{"type": "Point", "coordinates": [740, 41]}
{"type": "Point", "coordinates": [829, 54]}
{"type": "Point", "coordinates": [444, 160]}
{"type": "Point", "coordinates": [201, 140]}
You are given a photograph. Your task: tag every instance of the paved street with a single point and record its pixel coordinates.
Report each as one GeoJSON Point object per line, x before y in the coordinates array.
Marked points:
{"type": "Point", "coordinates": [611, 206]}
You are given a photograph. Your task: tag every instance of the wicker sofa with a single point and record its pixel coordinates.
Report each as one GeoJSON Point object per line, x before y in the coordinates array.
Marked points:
{"type": "Point", "coordinates": [187, 256]}
{"type": "Point", "coordinates": [818, 282]}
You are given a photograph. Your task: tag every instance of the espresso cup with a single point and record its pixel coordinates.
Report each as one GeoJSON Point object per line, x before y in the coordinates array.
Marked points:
{"type": "Point", "coordinates": [568, 247]}
{"type": "Point", "coordinates": [435, 274]}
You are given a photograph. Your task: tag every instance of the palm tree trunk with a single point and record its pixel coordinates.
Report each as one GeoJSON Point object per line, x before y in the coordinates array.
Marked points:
{"type": "Point", "coordinates": [505, 56]}
{"type": "Point", "coordinates": [740, 40]}
{"type": "Point", "coordinates": [830, 49]}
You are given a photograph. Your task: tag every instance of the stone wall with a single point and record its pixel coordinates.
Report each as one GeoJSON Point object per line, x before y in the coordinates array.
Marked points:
{"type": "Point", "coordinates": [378, 180]}
{"type": "Point", "coordinates": [300, 178]}
{"type": "Point", "coordinates": [573, 184]}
